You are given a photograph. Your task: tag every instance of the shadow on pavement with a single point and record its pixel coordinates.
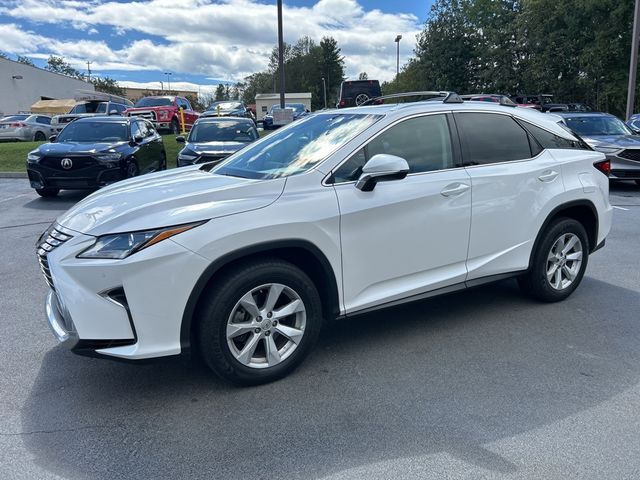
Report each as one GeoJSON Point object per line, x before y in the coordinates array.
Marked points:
{"type": "Point", "coordinates": [445, 375]}
{"type": "Point", "coordinates": [65, 199]}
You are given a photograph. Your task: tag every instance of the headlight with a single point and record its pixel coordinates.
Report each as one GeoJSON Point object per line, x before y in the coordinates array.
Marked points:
{"type": "Point", "coordinates": [33, 157]}
{"type": "Point", "coordinates": [121, 245]}
{"type": "Point", "coordinates": [598, 148]}
{"type": "Point", "coordinates": [163, 115]}
{"type": "Point", "coordinates": [108, 157]}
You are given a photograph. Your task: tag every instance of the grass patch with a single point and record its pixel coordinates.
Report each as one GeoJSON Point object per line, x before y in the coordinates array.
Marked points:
{"type": "Point", "coordinates": [13, 155]}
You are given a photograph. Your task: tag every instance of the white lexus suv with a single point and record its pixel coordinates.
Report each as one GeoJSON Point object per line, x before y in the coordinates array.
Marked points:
{"type": "Point", "coordinates": [337, 214]}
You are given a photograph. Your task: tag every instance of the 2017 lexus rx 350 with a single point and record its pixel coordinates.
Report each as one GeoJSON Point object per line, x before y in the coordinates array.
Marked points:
{"type": "Point", "coordinates": [339, 213]}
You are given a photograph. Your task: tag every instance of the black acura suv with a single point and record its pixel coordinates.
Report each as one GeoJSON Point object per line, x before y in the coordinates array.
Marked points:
{"type": "Point", "coordinates": [93, 152]}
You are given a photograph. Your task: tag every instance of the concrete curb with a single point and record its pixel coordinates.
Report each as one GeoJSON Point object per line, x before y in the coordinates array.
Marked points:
{"type": "Point", "coordinates": [13, 175]}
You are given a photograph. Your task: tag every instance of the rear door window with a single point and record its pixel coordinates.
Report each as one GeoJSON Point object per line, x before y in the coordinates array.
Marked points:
{"type": "Point", "coordinates": [492, 138]}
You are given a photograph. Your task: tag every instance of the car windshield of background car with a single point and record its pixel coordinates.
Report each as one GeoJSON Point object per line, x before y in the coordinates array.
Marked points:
{"type": "Point", "coordinates": [154, 102]}
{"type": "Point", "coordinates": [94, 132]}
{"type": "Point", "coordinates": [222, 131]}
{"type": "Point", "coordinates": [296, 148]}
{"type": "Point", "coordinates": [590, 126]}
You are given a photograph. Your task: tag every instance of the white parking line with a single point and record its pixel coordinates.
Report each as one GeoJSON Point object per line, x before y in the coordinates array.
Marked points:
{"type": "Point", "coordinates": [621, 208]}
{"type": "Point", "coordinates": [12, 198]}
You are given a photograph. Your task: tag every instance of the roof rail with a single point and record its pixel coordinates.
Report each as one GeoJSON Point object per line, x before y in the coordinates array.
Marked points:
{"type": "Point", "coordinates": [448, 97]}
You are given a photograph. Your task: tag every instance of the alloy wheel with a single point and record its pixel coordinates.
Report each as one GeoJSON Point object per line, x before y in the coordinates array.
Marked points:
{"type": "Point", "coordinates": [564, 261]}
{"type": "Point", "coordinates": [266, 325]}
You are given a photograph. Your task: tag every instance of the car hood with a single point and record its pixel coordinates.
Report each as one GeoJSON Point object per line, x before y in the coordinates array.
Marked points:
{"type": "Point", "coordinates": [207, 147]}
{"type": "Point", "coordinates": [622, 141]}
{"type": "Point", "coordinates": [74, 148]}
{"type": "Point", "coordinates": [168, 198]}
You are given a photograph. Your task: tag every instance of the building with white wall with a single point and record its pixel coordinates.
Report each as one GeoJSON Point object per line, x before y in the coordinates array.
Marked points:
{"type": "Point", "coordinates": [265, 100]}
{"type": "Point", "coordinates": [22, 85]}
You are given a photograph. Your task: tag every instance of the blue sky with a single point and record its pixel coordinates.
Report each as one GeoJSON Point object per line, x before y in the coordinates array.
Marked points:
{"type": "Point", "coordinates": [203, 42]}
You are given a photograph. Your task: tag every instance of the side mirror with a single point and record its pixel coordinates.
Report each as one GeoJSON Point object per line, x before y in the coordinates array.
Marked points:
{"type": "Point", "coordinates": [138, 139]}
{"type": "Point", "coordinates": [180, 139]}
{"type": "Point", "coordinates": [381, 168]}
{"type": "Point", "coordinates": [52, 138]}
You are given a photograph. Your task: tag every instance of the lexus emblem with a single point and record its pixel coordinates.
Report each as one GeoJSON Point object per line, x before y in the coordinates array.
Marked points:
{"type": "Point", "coordinates": [66, 163]}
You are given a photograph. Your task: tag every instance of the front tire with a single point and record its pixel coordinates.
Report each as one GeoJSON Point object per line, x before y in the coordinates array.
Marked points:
{"type": "Point", "coordinates": [559, 261]}
{"type": "Point", "coordinates": [259, 322]}
{"type": "Point", "coordinates": [39, 137]}
{"type": "Point", "coordinates": [175, 127]}
{"type": "Point", "coordinates": [47, 192]}
{"type": "Point", "coordinates": [132, 169]}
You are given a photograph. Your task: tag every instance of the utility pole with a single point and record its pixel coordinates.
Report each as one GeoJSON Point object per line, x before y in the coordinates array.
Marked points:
{"type": "Point", "coordinates": [633, 64]}
{"type": "Point", "coordinates": [168, 74]}
{"type": "Point", "coordinates": [324, 88]}
{"type": "Point", "coordinates": [280, 54]}
{"type": "Point", "coordinates": [89, 69]}
{"type": "Point", "coordinates": [397, 40]}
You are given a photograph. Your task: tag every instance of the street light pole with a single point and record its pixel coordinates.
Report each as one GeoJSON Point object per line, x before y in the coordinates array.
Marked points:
{"type": "Point", "coordinates": [324, 89]}
{"type": "Point", "coordinates": [633, 64]}
{"type": "Point", "coordinates": [161, 86]}
{"type": "Point", "coordinates": [168, 74]}
{"type": "Point", "coordinates": [397, 40]}
{"type": "Point", "coordinates": [280, 54]}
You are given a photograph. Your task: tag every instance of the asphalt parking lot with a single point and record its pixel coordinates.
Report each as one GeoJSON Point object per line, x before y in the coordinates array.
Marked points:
{"type": "Point", "coordinates": [479, 384]}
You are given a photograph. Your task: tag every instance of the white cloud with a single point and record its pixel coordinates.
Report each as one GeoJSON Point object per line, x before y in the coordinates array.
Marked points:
{"type": "Point", "coordinates": [228, 39]}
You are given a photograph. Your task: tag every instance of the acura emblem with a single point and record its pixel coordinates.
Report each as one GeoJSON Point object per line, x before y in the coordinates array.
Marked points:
{"type": "Point", "coordinates": [66, 163]}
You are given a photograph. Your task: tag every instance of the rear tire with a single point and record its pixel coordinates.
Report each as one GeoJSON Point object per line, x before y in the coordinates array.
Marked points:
{"type": "Point", "coordinates": [244, 333]}
{"type": "Point", "coordinates": [175, 127]}
{"type": "Point", "coordinates": [47, 192]}
{"type": "Point", "coordinates": [39, 137]}
{"type": "Point", "coordinates": [559, 261]}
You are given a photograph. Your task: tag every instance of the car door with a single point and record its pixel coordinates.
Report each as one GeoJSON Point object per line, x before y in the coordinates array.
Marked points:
{"type": "Point", "coordinates": [410, 236]}
{"type": "Point", "coordinates": [156, 147]}
{"type": "Point", "coordinates": [189, 115]}
{"type": "Point", "coordinates": [513, 181]}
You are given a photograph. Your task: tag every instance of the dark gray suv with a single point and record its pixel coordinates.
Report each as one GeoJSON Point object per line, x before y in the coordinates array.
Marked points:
{"type": "Point", "coordinates": [609, 135]}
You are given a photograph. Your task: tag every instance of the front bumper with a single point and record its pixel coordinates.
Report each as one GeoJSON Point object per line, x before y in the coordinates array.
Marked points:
{"type": "Point", "coordinates": [91, 177]}
{"type": "Point", "coordinates": [127, 309]}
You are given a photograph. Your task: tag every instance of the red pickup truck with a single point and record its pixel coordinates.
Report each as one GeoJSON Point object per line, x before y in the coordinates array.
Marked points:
{"type": "Point", "coordinates": [164, 112]}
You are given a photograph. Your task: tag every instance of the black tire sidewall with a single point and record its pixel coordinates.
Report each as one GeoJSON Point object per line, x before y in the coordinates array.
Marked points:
{"type": "Point", "coordinates": [212, 319]}
{"type": "Point", "coordinates": [175, 127]}
{"type": "Point", "coordinates": [537, 282]}
{"type": "Point", "coordinates": [39, 137]}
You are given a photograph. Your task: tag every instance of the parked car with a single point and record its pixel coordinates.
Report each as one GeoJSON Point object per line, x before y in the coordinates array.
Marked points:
{"type": "Point", "coordinates": [93, 152]}
{"type": "Point", "coordinates": [299, 111]}
{"type": "Point", "coordinates": [91, 108]}
{"type": "Point", "coordinates": [164, 112]}
{"type": "Point", "coordinates": [542, 102]}
{"type": "Point", "coordinates": [228, 109]}
{"type": "Point", "coordinates": [609, 135]}
{"type": "Point", "coordinates": [329, 217]}
{"type": "Point", "coordinates": [213, 139]}
{"type": "Point", "coordinates": [489, 97]}
{"type": "Point", "coordinates": [25, 127]}
{"type": "Point", "coordinates": [357, 92]}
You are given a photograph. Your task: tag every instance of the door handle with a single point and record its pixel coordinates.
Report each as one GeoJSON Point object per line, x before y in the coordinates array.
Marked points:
{"type": "Point", "coordinates": [454, 189]}
{"type": "Point", "coordinates": [548, 176]}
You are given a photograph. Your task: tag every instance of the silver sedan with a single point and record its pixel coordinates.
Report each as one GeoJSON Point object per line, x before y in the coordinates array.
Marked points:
{"type": "Point", "coordinates": [25, 127]}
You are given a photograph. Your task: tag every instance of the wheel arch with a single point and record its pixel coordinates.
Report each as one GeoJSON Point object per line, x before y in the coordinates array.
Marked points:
{"type": "Point", "coordinates": [582, 211]}
{"type": "Point", "coordinates": [301, 253]}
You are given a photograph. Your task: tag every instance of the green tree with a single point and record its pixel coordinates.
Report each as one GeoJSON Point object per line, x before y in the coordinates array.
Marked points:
{"type": "Point", "coordinates": [25, 60]}
{"type": "Point", "coordinates": [60, 65]}
{"type": "Point", "coordinates": [107, 85]}
{"type": "Point", "coordinates": [220, 93]}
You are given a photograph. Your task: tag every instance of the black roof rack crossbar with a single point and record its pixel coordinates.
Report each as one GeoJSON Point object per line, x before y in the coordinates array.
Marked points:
{"type": "Point", "coordinates": [448, 97]}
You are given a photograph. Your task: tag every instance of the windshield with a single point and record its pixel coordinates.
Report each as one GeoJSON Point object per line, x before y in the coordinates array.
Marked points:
{"type": "Point", "coordinates": [297, 107]}
{"type": "Point", "coordinates": [225, 106]}
{"type": "Point", "coordinates": [296, 148]}
{"type": "Point", "coordinates": [597, 125]}
{"type": "Point", "coordinates": [223, 131]}
{"type": "Point", "coordinates": [14, 118]}
{"type": "Point", "coordinates": [154, 102]}
{"type": "Point", "coordinates": [94, 132]}
{"type": "Point", "coordinates": [90, 108]}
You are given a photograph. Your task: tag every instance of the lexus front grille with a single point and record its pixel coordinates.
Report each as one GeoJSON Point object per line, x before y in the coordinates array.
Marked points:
{"type": "Point", "coordinates": [51, 239]}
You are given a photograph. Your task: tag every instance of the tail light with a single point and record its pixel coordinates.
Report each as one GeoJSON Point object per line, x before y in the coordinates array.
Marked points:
{"type": "Point", "coordinates": [17, 125]}
{"type": "Point", "coordinates": [604, 166]}
{"type": "Point", "coordinates": [343, 103]}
